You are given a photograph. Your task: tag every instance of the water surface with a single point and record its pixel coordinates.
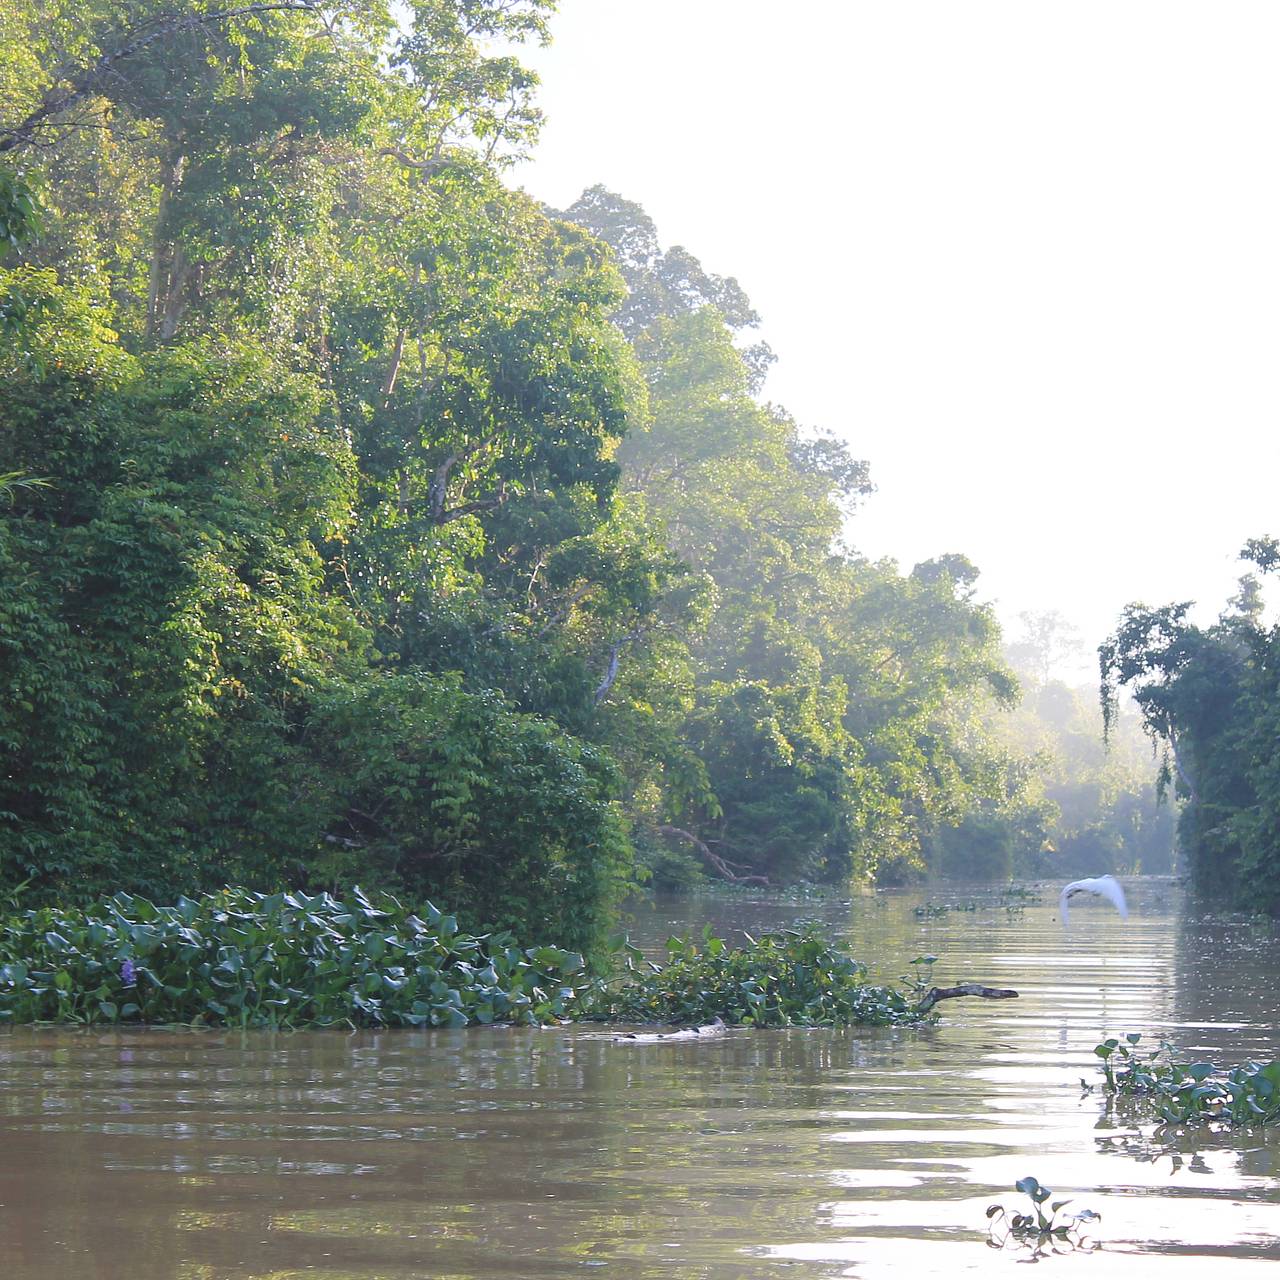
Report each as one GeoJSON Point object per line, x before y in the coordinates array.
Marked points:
{"type": "Point", "coordinates": [554, 1153]}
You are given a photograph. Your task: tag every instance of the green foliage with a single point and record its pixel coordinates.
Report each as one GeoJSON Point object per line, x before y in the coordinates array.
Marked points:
{"type": "Point", "coordinates": [1037, 1229]}
{"type": "Point", "coordinates": [19, 210]}
{"type": "Point", "coordinates": [785, 979]}
{"type": "Point", "coordinates": [163, 621]}
{"type": "Point", "coordinates": [299, 405]}
{"type": "Point", "coordinates": [1210, 697]}
{"type": "Point", "coordinates": [287, 960]}
{"type": "Point", "coordinates": [1162, 1083]}
{"type": "Point", "coordinates": [1073, 804]}
{"type": "Point", "coordinates": [358, 519]}
{"type": "Point", "coordinates": [829, 714]}
{"type": "Point", "coordinates": [440, 791]}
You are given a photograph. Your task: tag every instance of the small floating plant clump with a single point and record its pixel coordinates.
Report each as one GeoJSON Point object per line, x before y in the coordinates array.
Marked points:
{"type": "Point", "coordinates": [281, 960]}
{"type": "Point", "coordinates": [1184, 1092]}
{"type": "Point", "coordinates": [790, 978]}
{"type": "Point", "coordinates": [1060, 1230]}
{"type": "Point", "coordinates": [932, 910]}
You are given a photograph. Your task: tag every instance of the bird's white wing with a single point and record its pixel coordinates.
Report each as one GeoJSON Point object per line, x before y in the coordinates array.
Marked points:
{"type": "Point", "coordinates": [1062, 901]}
{"type": "Point", "coordinates": [1109, 887]}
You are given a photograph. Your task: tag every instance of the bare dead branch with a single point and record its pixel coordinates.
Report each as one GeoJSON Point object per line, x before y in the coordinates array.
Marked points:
{"type": "Point", "coordinates": [934, 994]}
{"type": "Point", "coordinates": [714, 859]}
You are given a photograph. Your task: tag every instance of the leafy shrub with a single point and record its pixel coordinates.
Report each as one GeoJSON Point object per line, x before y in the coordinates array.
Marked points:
{"type": "Point", "coordinates": [451, 794]}
{"type": "Point", "coordinates": [1181, 1092]}
{"type": "Point", "coordinates": [284, 960]}
{"type": "Point", "coordinates": [785, 979]}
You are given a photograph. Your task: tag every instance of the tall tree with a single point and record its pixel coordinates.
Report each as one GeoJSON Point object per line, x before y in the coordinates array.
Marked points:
{"type": "Point", "coordinates": [1209, 695]}
{"type": "Point", "coordinates": [831, 695]}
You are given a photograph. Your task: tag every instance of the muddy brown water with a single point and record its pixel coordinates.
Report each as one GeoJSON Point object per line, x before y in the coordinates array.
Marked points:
{"type": "Point", "coordinates": [185, 1155]}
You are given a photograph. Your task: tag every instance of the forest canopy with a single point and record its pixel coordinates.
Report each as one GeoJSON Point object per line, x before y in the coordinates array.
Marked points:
{"type": "Point", "coordinates": [361, 518]}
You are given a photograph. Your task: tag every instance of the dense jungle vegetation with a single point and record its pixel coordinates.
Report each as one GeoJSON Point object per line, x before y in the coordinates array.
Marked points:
{"type": "Point", "coordinates": [1210, 695]}
{"type": "Point", "coordinates": [362, 519]}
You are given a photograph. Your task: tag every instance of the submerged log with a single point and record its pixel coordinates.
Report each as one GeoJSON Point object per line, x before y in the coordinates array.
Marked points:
{"type": "Point", "coordinates": [710, 1030]}
{"type": "Point", "coordinates": [704, 1032]}
{"type": "Point", "coordinates": [934, 994]}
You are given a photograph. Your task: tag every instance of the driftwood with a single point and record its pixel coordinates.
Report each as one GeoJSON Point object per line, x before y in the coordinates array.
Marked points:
{"type": "Point", "coordinates": [710, 1030]}
{"type": "Point", "coordinates": [705, 1032]}
{"type": "Point", "coordinates": [934, 994]}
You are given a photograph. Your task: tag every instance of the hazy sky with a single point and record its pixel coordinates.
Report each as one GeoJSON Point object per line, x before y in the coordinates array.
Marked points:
{"type": "Point", "coordinates": [1025, 256]}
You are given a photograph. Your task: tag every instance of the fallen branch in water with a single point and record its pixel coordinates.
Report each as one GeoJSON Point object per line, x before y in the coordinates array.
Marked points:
{"type": "Point", "coordinates": [934, 994]}
{"type": "Point", "coordinates": [705, 1032]}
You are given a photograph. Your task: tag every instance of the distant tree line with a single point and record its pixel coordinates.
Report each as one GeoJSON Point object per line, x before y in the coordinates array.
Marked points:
{"type": "Point", "coordinates": [1081, 805]}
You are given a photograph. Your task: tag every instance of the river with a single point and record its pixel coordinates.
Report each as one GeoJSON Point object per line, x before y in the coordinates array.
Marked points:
{"type": "Point", "coordinates": [200, 1155]}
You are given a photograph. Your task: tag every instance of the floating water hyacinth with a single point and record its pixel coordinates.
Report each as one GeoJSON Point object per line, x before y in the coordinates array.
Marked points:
{"type": "Point", "coordinates": [282, 960]}
{"type": "Point", "coordinates": [237, 958]}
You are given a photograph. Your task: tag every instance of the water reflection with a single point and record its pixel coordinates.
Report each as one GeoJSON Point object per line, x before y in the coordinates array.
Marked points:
{"type": "Point", "coordinates": [497, 1153]}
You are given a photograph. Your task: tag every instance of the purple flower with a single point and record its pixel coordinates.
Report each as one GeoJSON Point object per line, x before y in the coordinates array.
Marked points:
{"type": "Point", "coordinates": [128, 974]}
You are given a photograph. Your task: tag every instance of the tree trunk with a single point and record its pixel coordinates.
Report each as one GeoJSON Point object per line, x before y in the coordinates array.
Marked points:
{"type": "Point", "coordinates": [159, 283]}
{"type": "Point", "coordinates": [175, 303]}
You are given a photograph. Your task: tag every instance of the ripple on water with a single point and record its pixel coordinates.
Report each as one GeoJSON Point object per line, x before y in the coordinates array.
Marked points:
{"type": "Point", "coordinates": [548, 1154]}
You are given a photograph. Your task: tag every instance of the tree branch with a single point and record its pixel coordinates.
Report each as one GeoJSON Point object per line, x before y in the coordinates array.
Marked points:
{"type": "Point", "coordinates": [88, 80]}
{"type": "Point", "coordinates": [432, 164]}
{"type": "Point", "coordinates": [713, 858]}
{"type": "Point", "coordinates": [566, 608]}
{"type": "Point", "coordinates": [611, 673]}
{"type": "Point", "coordinates": [934, 994]}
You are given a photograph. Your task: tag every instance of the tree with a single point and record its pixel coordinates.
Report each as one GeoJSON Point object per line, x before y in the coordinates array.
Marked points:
{"type": "Point", "coordinates": [1208, 696]}
{"type": "Point", "coordinates": [296, 394]}
{"type": "Point", "coordinates": [829, 713]}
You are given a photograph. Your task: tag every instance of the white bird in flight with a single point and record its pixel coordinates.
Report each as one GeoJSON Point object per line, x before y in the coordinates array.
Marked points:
{"type": "Point", "coordinates": [1104, 886]}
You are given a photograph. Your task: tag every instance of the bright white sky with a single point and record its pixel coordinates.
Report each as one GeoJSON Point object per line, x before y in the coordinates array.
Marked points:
{"type": "Point", "coordinates": [1024, 255]}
